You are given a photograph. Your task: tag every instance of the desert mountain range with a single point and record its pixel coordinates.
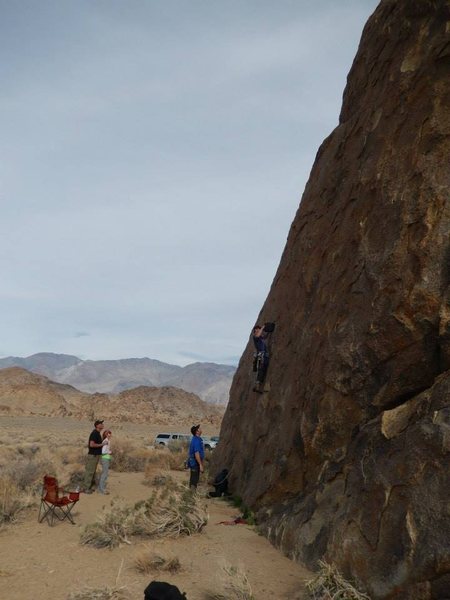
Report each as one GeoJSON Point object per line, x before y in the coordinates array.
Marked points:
{"type": "Point", "coordinates": [210, 381]}
{"type": "Point", "coordinates": [26, 393]}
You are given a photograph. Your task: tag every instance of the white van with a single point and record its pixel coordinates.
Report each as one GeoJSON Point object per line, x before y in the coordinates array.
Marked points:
{"type": "Point", "coordinates": [210, 442]}
{"type": "Point", "coordinates": [165, 439]}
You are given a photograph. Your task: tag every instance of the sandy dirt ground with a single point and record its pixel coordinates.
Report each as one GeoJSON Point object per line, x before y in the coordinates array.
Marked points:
{"type": "Point", "coordinates": [39, 562]}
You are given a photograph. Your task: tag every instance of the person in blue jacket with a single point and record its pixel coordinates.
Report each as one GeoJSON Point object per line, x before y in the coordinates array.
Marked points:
{"type": "Point", "coordinates": [196, 456]}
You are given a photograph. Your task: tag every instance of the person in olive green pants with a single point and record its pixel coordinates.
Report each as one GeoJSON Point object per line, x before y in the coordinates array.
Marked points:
{"type": "Point", "coordinates": [95, 445]}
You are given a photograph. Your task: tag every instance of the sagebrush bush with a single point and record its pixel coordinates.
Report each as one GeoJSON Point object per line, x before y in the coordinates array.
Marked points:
{"type": "Point", "coordinates": [106, 593]}
{"type": "Point", "coordinates": [329, 583]}
{"type": "Point", "coordinates": [13, 500]}
{"type": "Point", "coordinates": [27, 467]}
{"type": "Point", "coordinates": [128, 458]}
{"type": "Point", "coordinates": [166, 513]}
{"type": "Point", "coordinates": [235, 585]}
{"type": "Point", "coordinates": [163, 460]}
{"type": "Point", "coordinates": [156, 463]}
{"type": "Point", "coordinates": [171, 513]}
{"type": "Point", "coordinates": [148, 562]}
{"type": "Point", "coordinates": [163, 480]}
{"type": "Point", "coordinates": [178, 447]}
{"type": "Point", "coordinates": [28, 473]}
{"type": "Point", "coordinates": [176, 460]}
{"type": "Point", "coordinates": [112, 528]}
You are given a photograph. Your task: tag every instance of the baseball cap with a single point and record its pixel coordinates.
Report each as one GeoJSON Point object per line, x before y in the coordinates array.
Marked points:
{"type": "Point", "coordinates": [194, 429]}
{"type": "Point", "coordinates": [98, 422]}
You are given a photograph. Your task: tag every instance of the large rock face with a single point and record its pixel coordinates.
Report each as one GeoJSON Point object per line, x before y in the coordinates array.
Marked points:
{"type": "Point", "coordinates": [346, 457]}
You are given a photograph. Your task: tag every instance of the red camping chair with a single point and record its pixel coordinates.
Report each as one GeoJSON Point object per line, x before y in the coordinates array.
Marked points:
{"type": "Point", "coordinates": [56, 502]}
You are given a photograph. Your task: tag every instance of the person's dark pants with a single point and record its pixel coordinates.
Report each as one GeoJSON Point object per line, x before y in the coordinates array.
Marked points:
{"type": "Point", "coordinates": [195, 477]}
{"type": "Point", "coordinates": [261, 374]}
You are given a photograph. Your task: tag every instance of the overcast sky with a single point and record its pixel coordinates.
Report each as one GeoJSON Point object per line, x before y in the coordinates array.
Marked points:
{"type": "Point", "coordinates": [153, 154]}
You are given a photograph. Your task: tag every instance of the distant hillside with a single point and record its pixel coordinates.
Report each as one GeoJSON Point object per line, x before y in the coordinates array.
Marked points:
{"type": "Point", "coordinates": [26, 393]}
{"type": "Point", "coordinates": [210, 381]}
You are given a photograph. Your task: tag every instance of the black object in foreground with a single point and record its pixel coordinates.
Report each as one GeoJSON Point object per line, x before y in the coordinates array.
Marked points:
{"type": "Point", "coordinates": [160, 590]}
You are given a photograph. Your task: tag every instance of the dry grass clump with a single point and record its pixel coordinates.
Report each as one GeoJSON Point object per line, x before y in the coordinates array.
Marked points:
{"type": "Point", "coordinates": [167, 513]}
{"type": "Point", "coordinates": [28, 473]}
{"type": "Point", "coordinates": [106, 593]}
{"type": "Point", "coordinates": [111, 528]}
{"type": "Point", "coordinates": [163, 480]}
{"type": "Point", "coordinates": [163, 460]}
{"type": "Point", "coordinates": [21, 479]}
{"type": "Point", "coordinates": [74, 456]}
{"type": "Point", "coordinates": [328, 584]}
{"type": "Point", "coordinates": [158, 461]}
{"type": "Point", "coordinates": [235, 585]}
{"type": "Point", "coordinates": [129, 458]}
{"type": "Point", "coordinates": [12, 500]}
{"type": "Point", "coordinates": [178, 447]}
{"type": "Point", "coordinates": [171, 513]}
{"type": "Point", "coordinates": [148, 562]}
{"type": "Point", "coordinates": [27, 464]}
{"type": "Point", "coordinates": [176, 460]}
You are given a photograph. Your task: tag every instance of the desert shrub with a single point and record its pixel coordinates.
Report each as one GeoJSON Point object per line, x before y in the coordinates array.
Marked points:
{"type": "Point", "coordinates": [167, 513]}
{"type": "Point", "coordinates": [173, 513]}
{"type": "Point", "coordinates": [176, 460]}
{"type": "Point", "coordinates": [163, 480]}
{"type": "Point", "coordinates": [147, 562]}
{"type": "Point", "coordinates": [129, 458]}
{"type": "Point", "coordinates": [28, 467]}
{"type": "Point", "coordinates": [235, 585]}
{"type": "Point", "coordinates": [157, 462]}
{"type": "Point", "coordinates": [26, 473]}
{"type": "Point", "coordinates": [115, 592]}
{"type": "Point", "coordinates": [329, 584]}
{"type": "Point", "coordinates": [12, 500]}
{"type": "Point", "coordinates": [178, 447]}
{"type": "Point", "coordinates": [75, 456]}
{"type": "Point", "coordinates": [163, 460]}
{"type": "Point", "coordinates": [28, 450]}
{"type": "Point", "coordinates": [106, 593]}
{"type": "Point", "coordinates": [111, 528]}
{"type": "Point", "coordinates": [76, 478]}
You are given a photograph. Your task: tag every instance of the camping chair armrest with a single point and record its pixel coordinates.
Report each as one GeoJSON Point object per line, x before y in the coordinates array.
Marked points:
{"type": "Point", "coordinates": [65, 491]}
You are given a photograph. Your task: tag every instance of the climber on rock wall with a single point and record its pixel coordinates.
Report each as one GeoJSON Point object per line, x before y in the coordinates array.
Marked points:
{"type": "Point", "coordinates": [260, 336]}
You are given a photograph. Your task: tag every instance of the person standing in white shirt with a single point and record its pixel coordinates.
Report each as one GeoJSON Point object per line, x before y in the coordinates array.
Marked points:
{"type": "Point", "coordinates": [106, 461]}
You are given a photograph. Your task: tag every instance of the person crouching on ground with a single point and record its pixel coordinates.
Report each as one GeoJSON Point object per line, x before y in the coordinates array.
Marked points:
{"type": "Point", "coordinates": [196, 456]}
{"type": "Point", "coordinates": [220, 485]}
{"type": "Point", "coordinates": [106, 461]}
{"type": "Point", "coordinates": [95, 445]}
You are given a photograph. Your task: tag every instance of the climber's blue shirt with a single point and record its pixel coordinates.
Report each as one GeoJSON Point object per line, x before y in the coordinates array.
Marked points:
{"type": "Point", "coordinates": [196, 445]}
{"type": "Point", "coordinates": [260, 344]}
